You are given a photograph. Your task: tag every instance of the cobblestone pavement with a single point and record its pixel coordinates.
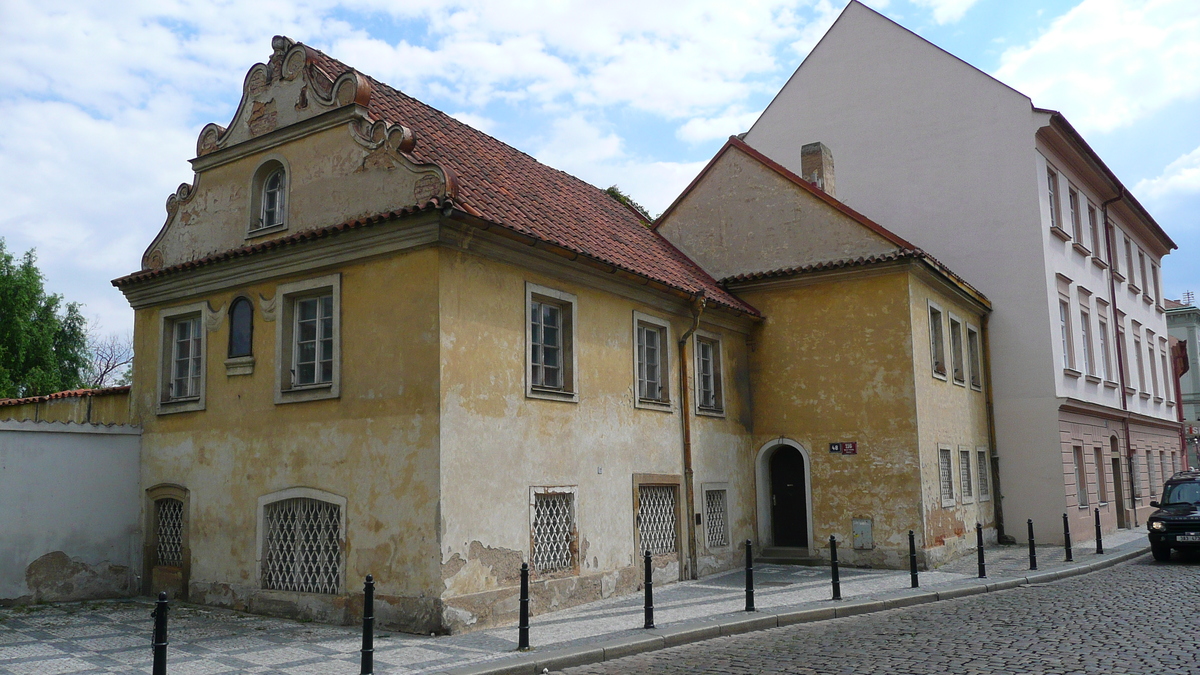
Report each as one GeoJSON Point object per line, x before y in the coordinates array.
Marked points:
{"type": "Point", "coordinates": [1138, 617]}
{"type": "Point", "coordinates": [113, 637]}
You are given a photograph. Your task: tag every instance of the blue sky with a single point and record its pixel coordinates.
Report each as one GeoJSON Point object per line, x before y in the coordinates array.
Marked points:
{"type": "Point", "coordinates": [100, 105]}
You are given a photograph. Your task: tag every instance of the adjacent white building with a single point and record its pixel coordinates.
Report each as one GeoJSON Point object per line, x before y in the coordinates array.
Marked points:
{"type": "Point", "coordinates": [1012, 197]}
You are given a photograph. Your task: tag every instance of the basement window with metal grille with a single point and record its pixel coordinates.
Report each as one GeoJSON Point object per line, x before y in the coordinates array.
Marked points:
{"type": "Point", "coordinates": [657, 519]}
{"type": "Point", "coordinates": [553, 531]}
{"type": "Point", "coordinates": [302, 546]}
{"type": "Point", "coordinates": [169, 517]}
{"type": "Point", "coordinates": [946, 476]}
{"type": "Point", "coordinates": [715, 518]}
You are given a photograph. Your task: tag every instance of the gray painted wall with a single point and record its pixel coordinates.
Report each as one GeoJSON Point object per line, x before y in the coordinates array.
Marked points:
{"type": "Point", "coordinates": [69, 511]}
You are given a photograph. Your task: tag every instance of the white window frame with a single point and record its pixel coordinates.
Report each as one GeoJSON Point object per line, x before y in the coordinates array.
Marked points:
{"type": "Point", "coordinates": [966, 476]}
{"type": "Point", "coordinates": [705, 488]}
{"type": "Point", "coordinates": [1168, 377]}
{"type": "Point", "coordinates": [300, 493]}
{"type": "Point", "coordinates": [1105, 341]}
{"type": "Point", "coordinates": [974, 358]}
{"type": "Point", "coordinates": [1082, 498]}
{"type": "Point", "coordinates": [958, 361]}
{"type": "Point", "coordinates": [569, 305]}
{"type": "Point", "coordinates": [937, 341]}
{"type": "Point", "coordinates": [270, 165]}
{"type": "Point", "coordinates": [666, 352]}
{"type": "Point", "coordinates": [946, 456]}
{"type": "Point", "coordinates": [286, 296]}
{"type": "Point", "coordinates": [983, 473]}
{"type": "Point", "coordinates": [1052, 196]}
{"type": "Point", "coordinates": [1067, 334]}
{"type": "Point", "coordinates": [1076, 216]}
{"type": "Point", "coordinates": [167, 319]}
{"type": "Point", "coordinates": [718, 409]}
{"type": "Point", "coordinates": [576, 538]}
{"type": "Point", "coordinates": [1130, 271]}
{"type": "Point", "coordinates": [1094, 229]}
{"type": "Point", "coordinates": [1152, 366]}
{"type": "Point", "coordinates": [1085, 333]}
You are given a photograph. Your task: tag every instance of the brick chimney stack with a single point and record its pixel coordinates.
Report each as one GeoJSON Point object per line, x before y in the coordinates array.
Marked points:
{"type": "Point", "coordinates": [816, 167]}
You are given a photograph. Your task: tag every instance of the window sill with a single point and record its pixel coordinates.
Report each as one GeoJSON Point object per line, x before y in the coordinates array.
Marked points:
{"type": "Point", "coordinates": [1160, 309]}
{"type": "Point", "coordinates": [1170, 404]}
{"type": "Point", "coordinates": [976, 387]}
{"type": "Point", "coordinates": [239, 365]}
{"type": "Point", "coordinates": [1098, 262]}
{"type": "Point", "coordinates": [1130, 391]}
{"type": "Point", "coordinates": [552, 395]}
{"type": "Point", "coordinates": [711, 412]}
{"type": "Point", "coordinates": [1147, 299]}
{"type": "Point", "coordinates": [1060, 233]}
{"type": "Point", "coordinates": [254, 234]}
{"type": "Point", "coordinates": [960, 383]}
{"type": "Point", "coordinates": [1118, 276]}
{"type": "Point", "coordinates": [939, 376]}
{"type": "Point", "coordinates": [650, 404]}
{"type": "Point", "coordinates": [1084, 507]}
{"type": "Point", "coordinates": [1093, 379]}
{"type": "Point", "coordinates": [1110, 384]}
{"type": "Point", "coordinates": [1071, 372]}
{"type": "Point", "coordinates": [1080, 248]}
{"type": "Point", "coordinates": [179, 405]}
{"type": "Point", "coordinates": [1133, 289]}
{"type": "Point", "coordinates": [985, 498]}
{"type": "Point", "coordinates": [1158, 399]}
{"type": "Point", "coordinates": [315, 392]}
{"type": "Point", "coordinates": [1144, 396]}
{"type": "Point", "coordinates": [949, 503]}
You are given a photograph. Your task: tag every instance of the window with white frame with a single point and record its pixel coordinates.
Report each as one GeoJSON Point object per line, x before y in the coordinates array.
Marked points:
{"type": "Point", "coordinates": [302, 546]}
{"type": "Point", "coordinates": [182, 366]}
{"type": "Point", "coordinates": [716, 517]}
{"type": "Point", "coordinates": [553, 530]}
{"type": "Point", "coordinates": [1105, 359]}
{"type": "Point", "coordinates": [1094, 227]}
{"type": "Point", "coordinates": [956, 351]}
{"type": "Point", "coordinates": [269, 202]}
{"type": "Point", "coordinates": [308, 339]}
{"type": "Point", "coordinates": [652, 365]}
{"type": "Point", "coordinates": [1150, 363]}
{"type": "Point", "coordinates": [1115, 251]}
{"type": "Point", "coordinates": [1142, 272]}
{"type": "Point", "coordinates": [973, 360]}
{"type": "Point", "coordinates": [1081, 491]}
{"type": "Point", "coordinates": [1129, 271]}
{"type": "Point", "coordinates": [1155, 294]}
{"type": "Point", "coordinates": [1137, 350]}
{"type": "Point", "coordinates": [658, 519]}
{"type": "Point", "coordinates": [709, 390]}
{"type": "Point", "coordinates": [946, 476]}
{"type": "Point", "coordinates": [168, 520]}
{"type": "Point", "coordinates": [1085, 332]}
{"type": "Point", "coordinates": [550, 337]}
{"type": "Point", "coordinates": [1101, 483]}
{"type": "Point", "coordinates": [937, 349]}
{"type": "Point", "coordinates": [1064, 328]}
{"type": "Point", "coordinates": [1168, 380]}
{"type": "Point", "coordinates": [981, 469]}
{"type": "Point", "coordinates": [1052, 196]}
{"type": "Point", "coordinates": [964, 474]}
{"type": "Point", "coordinates": [1073, 208]}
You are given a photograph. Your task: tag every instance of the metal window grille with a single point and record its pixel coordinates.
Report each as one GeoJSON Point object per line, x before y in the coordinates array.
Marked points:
{"type": "Point", "coordinates": [303, 546]}
{"type": "Point", "coordinates": [964, 472]}
{"type": "Point", "coordinates": [981, 466]}
{"type": "Point", "coordinates": [649, 346]}
{"type": "Point", "coordinates": [553, 531]}
{"type": "Point", "coordinates": [169, 513]}
{"type": "Point", "coordinates": [945, 474]}
{"type": "Point", "coordinates": [186, 359]}
{"type": "Point", "coordinates": [313, 356]}
{"type": "Point", "coordinates": [657, 519]}
{"type": "Point", "coordinates": [714, 514]}
{"type": "Point", "coordinates": [545, 344]}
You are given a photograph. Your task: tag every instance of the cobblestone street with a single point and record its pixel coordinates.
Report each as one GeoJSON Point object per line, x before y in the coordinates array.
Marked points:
{"type": "Point", "coordinates": [1138, 617]}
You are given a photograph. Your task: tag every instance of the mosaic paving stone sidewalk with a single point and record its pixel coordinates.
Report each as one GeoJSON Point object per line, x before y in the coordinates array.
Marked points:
{"type": "Point", "coordinates": [114, 636]}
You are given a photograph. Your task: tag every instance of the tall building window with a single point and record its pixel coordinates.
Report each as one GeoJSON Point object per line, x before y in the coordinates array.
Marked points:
{"type": "Point", "coordinates": [1141, 367]}
{"type": "Point", "coordinates": [981, 467]}
{"type": "Point", "coordinates": [1052, 196]}
{"type": "Point", "coordinates": [1105, 357]}
{"type": "Point", "coordinates": [1142, 268]}
{"type": "Point", "coordinates": [1081, 490]}
{"type": "Point", "coordinates": [956, 351]}
{"type": "Point", "coordinates": [650, 362]}
{"type": "Point", "coordinates": [946, 476]}
{"type": "Point", "coordinates": [1094, 226]}
{"type": "Point", "coordinates": [708, 374]}
{"type": "Point", "coordinates": [936, 342]}
{"type": "Point", "coordinates": [1064, 327]}
{"type": "Point", "coordinates": [1085, 329]}
{"type": "Point", "coordinates": [546, 344]}
{"type": "Point", "coordinates": [964, 473]}
{"type": "Point", "coordinates": [241, 328]}
{"type": "Point", "coordinates": [187, 358]}
{"type": "Point", "coordinates": [1073, 207]}
{"type": "Point", "coordinates": [312, 355]}
{"type": "Point", "coordinates": [1168, 378]}
{"type": "Point", "coordinates": [973, 358]}
{"type": "Point", "coordinates": [1101, 484]}
{"type": "Point", "coordinates": [1150, 363]}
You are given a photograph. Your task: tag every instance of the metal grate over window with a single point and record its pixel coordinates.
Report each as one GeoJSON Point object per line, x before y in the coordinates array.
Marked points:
{"type": "Point", "coordinates": [964, 472]}
{"type": "Point", "coordinates": [303, 546]}
{"type": "Point", "coordinates": [169, 513]}
{"type": "Point", "coordinates": [981, 467]}
{"type": "Point", "coordinates": [553, 531]}
{"type": "Point", "coordinates": [714, 514]}
{"type": "Point", "coordinates": [657, 519]}
{"type": "Point", "coordinates": [945, 475]}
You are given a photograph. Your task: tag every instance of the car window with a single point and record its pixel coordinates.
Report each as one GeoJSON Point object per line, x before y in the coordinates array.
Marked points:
{"type": "Point", "coordinates": [1181, 492]}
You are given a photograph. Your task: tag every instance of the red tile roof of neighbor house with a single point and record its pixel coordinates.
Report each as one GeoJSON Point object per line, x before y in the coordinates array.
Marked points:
{"type": "Point", "coordinates": [506, 187]}
{"type": "Point", "coordinates": [73, 393]}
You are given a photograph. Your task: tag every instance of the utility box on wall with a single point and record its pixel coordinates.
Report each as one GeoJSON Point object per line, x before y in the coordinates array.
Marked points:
{"type": "Point", "coordinates": [863, 538]}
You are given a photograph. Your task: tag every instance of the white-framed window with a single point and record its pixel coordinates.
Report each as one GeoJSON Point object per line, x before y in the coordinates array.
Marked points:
{"type": "Point", "coordinates": [658, 519]}
{"type": "Point", "coordinates": [1052, 196]}
{"type": "Point", "coordinates": [1101, 483]}
{"type": "Point", "coordinates": [946, 475]}
{"type": "Point", "coordinates": [269, 197]}
{"type": "Point", "coordinates": [1129, 270]}
{"type": "Point", "coordinates": [1085, 332]}
{"type": "Point", "coordinates": [1073, 208]}
{"type": "Point", "coordinates": [716, 515]}
{"type": "Point", "coordinates": [983, 476]}
{"type": "Point", "coordinates": [1155, 289]}
{"type": "Point", "coordinates": [957, 367]}
{"type": "Point", "coordinates": [937, 348]}
{"type": "Point", "coordinates": [1081, 490]}
{"type": "Point", "coordinates": [1064, 328]}
{"type": "Point", "coordinates": [652, 348]}
{"type": "Point", "coordinates": [965, 486]}
{"type": "Point", "coordinates": [1142, 272]}
{"type": "Point", "coordinates": [1094, 227]}
{"type": "Point", "coordinates": [974, 363]}
{"type": "Point", "coordinates": [550, 371]}
{"type": "Point", "coordinates": [1105, 360]}
{"type": "Point", "coordinates": [1150, 364]}
{"type": "Point", "coordinates": [1137, 350]}
{"type": "Point", "coordinates": [301, 541]}
{"type": "Point", "coordinates": [553, 534]}
{"type": "Point", "coordinates": [1115, 252]}
{"type": "Point", "coordinates": [710, 393]}
{"type": "Point", "coordinates": [182, 365]}
{"type": "Point", "coordinates": [308, 340]}
{"type": "Point", "coordinates": [1168, 379]}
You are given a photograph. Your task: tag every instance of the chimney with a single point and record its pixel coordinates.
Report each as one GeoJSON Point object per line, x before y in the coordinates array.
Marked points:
{"type": "Point", "coordinates": [816, 167]}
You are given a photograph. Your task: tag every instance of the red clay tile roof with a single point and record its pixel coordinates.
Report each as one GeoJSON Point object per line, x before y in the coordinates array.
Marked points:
{"type": "Point", "coordinates": [73, 393]}
{"type": "Point", "coordinates": [507, 187]}
{"type": "Point", "coordinates": [1173, 304]}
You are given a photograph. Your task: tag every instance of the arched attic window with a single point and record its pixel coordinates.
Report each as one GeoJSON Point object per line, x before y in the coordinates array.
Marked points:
{"type": "Point", "coordinates": [241, 328]}
{"type": "Point", "coordinates": [270, 197]}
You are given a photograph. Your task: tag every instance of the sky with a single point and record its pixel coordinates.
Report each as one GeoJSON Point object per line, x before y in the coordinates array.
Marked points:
{"type": "Point", "coordinates": [101, 103]}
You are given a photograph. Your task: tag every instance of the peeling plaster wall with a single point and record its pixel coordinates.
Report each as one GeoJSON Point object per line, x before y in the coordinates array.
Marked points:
{"type": "Point", "coordinates": [68, 495]}
{"type": "Point", "coordinates": [497, 443]}
{"type": "Point", "coordinates": [376, 446]}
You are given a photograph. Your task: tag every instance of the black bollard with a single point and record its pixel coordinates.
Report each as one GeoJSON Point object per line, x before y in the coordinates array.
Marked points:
{"type": "Point", "coordinates": [160, 635]}
{"type": "Point", "coordinates": [368, 648]}
{"type": "Point", "coordinates": [979, 550]}
{"type": "Point", "coordinates": [523, 626]}
{"type": "Point", "coordinates": [833, 564]}
{"type": "Point", "coordinates": [649, 593]}
{"type": "Point", "coordinates": [749, 576]}
{"type": "Point", "coordinates": [1099, 535]}
{"type": "Point", "coordinates": [1032, 546]}
{"type": "Point", "coordinates": [912, 558]}
{"type": "Point", "coordinates": [1067, 536]}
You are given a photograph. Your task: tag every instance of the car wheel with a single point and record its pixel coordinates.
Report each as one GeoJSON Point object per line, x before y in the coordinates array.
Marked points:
{"type": "Point", "coordinates": [1161, 552]}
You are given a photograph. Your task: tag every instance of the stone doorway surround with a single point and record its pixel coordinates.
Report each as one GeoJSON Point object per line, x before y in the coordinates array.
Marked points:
{"type": "Point", "coordinates": [762, 472]}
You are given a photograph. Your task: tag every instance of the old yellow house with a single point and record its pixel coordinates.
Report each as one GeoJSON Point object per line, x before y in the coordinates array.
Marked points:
{"type": "Point", "coordinates": [374, 340]}
{"type": "Point", "coordinates": [870, 413]}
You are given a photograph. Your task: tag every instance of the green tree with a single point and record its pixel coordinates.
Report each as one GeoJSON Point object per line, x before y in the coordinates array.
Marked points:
{"type": "Point", "coordinates": [43, 343]}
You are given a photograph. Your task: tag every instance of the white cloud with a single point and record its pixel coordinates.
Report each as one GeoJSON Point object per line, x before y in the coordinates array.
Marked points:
{"type": "Point", "coordinates": [1179, 177]}
{"type": "Point", "coordinates": [946, 11]}
{"type": "Point", "coordinates": [1108, 63]}
{"type": "Point", "coordinates": [733, 120]}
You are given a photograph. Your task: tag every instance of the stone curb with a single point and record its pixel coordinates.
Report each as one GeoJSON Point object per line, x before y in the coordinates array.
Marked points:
{"type": "Point", "coordinates": [654, 639]}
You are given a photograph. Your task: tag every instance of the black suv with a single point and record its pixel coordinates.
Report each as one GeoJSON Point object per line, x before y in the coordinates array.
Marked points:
{"type": "Point", "coordinates": [1176, 523]}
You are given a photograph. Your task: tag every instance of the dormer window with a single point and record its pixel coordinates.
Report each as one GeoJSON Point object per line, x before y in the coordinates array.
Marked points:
{"type": "Point", "coordinates": [272, 200]}
{"type": "Point", "coordinates": [270, 196]}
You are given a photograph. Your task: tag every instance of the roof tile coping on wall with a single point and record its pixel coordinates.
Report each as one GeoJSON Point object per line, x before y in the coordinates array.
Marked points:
{"type": "Point", "coordinates": [72, 393]}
